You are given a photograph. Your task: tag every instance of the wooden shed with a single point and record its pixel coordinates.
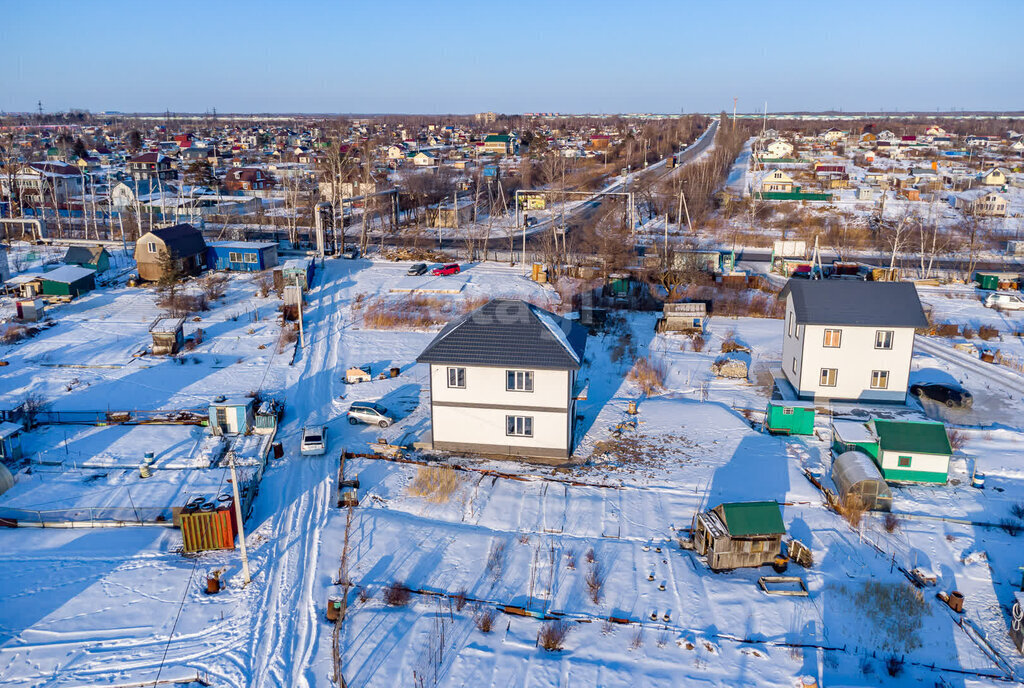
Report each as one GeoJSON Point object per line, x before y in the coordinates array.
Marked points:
{"type": "Point", "coordinates": [740, 534]}
{"type": "Point", "coordinates": [683, 317]}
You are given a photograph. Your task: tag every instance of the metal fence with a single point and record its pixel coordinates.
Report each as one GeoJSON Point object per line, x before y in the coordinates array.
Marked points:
{"type": "Point", "coordinates": [86, 517]}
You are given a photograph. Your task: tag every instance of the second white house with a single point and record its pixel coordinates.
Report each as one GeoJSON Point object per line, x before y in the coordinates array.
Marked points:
{"type": "Point", "coordinates": [847, 340]}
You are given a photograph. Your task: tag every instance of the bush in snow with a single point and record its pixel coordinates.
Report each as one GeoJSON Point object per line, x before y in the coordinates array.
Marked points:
{"type": "Point", "coordinates": [552, 635]}
{"type": "Point", "coordinates": [484, 620]}
{"type": "Point", "coordinates": [648, 375]}
{"type": "Point", "coordinates": [435, 483]}
{"type": "Point", "coordinates": [396, 594]}
{"type": "Point", "coordinates": [595, 582]}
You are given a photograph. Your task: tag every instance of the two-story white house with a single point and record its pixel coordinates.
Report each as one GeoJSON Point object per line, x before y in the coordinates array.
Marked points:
{"type": "Point", "coordinates": [503, 381]}
{"type": "Point", "coordinates": [847, 340]}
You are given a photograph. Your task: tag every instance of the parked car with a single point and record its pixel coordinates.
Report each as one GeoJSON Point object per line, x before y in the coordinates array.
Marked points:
{"type": "Point", "coordinates": [350, 252]}
{"type": "Point", "coordinates": [943, 393]}
{"type": "Point", "coordinates": [417, 269]}
{"type": "Point", "coordinates": [449, 269]}
{"type": "Point", "coordinates": [1005, 300]}
{"type": "Point", "coordinates": [314, 440]}
{"type": "Point", "coordinates": [370, 413]}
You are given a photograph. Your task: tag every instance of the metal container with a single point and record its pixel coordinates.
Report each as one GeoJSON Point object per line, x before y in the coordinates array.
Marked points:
{"type": "Point", "coordinates": [956, 601]}
{"type": "Point", "coordinates": [207, 530]}
{"type": "Point", "coordinates": [395, 372]}
{"type": "Point", "coordinates": [278, 450]}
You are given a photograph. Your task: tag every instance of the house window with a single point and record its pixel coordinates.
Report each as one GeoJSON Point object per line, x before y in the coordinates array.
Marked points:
{"type": "Point", "coordinates": [457, 378]}
{"type": "Point", "coordinates": [234, 257]}
{"type": "Point", "coordinates": [792, 324]}
{"type": "Point", "coordinates": [828, 377]}
{"type": "Point", "coordinates": [903, 462]}
{"type": "Point", "coordinates": [757, 546]}
{"type": "Point", "coordinates": [794, 364]}
{"type": "Point", "coordinates": [787, 411]}
{"type": "Point", "coordinates": [152, 247]}
{"type": "Point", "coordinates": [883, 339]}
{"type": "Point", "coordinates": [251, 258]}
{"type": "Point", "coordinates": [519, 381]}
{"type": "Point", "coordinates": [519, 426]}
{"type": "Point", "coordinates": [832, 338]}
{"type": "Point", "coordinates": [879, 379]}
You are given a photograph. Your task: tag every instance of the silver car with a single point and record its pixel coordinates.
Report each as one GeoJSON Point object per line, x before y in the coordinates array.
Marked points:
{"type": "Point", "coordinates": [314, 440]}
{"type": "Point", "coordinates": [370, 413]}
{"type": "Point", "coordinates": [1005, 300]}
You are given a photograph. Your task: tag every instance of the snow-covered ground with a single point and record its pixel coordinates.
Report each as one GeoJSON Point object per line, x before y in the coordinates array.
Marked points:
{"type": "Point", "coordinates": [112, 606]}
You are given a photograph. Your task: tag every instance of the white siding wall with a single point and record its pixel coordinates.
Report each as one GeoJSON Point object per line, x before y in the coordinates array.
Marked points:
{"type": "Point", "coordinates": [925, 463]}
{"type": "Point", "coordinates": [791, 347]}
{"type": "Point", "coordinates": [472, 425]}
{"type": "Point", "coordinates": [487, 386]}
{"type": "Point", "coordinates": [855, 359]}
{"type": "Point", "coordinates": [487, 426]}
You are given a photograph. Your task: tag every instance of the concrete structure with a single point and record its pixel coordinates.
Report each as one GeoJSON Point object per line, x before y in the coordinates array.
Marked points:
{"type": "Point", "coordinates": [168, 336]}
{"type": "Point", "coordinates": [850, 340]}
{"type": "Point", "coordinates": [503, 381]}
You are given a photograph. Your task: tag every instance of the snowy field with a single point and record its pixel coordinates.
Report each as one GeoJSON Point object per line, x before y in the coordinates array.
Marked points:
{"type": "Point", "coordinates": [112, 606]}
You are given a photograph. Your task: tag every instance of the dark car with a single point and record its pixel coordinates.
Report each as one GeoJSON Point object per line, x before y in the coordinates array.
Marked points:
{"type": "Point", "coordinates": [417, 269]}
{"type": "Point", "coordinates": [950, 395]}
{"type": "Point", "coordinates": [449, 269]}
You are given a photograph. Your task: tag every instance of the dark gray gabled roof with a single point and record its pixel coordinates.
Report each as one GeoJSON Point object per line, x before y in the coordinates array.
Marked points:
{"type": "Point", "coordinates": [869, 304]}
{"type": "Point", "coordinates": [181, 240]}
{"type": "Point", "coordinates": [505, 332]}
{"type": "Point", "coordinates": [80, 255]}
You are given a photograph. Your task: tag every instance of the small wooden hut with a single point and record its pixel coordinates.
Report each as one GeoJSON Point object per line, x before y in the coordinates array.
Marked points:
{"type": "Point", "coordinates": [740, 534]}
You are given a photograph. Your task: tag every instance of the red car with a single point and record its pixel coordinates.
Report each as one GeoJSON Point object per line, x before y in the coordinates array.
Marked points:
{"type": "Point", "coordinates": [449, 269]}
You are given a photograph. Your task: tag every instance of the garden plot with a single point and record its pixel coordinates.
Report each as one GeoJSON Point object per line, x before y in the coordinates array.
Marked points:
{"type": "Point", "coordinates": [122, 446]}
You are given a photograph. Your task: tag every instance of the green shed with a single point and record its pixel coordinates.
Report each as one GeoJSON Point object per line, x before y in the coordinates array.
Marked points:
{"type": "Point", "coordinates": [851, 435]}
{"type": "Point", "coordinates": [69, 280]}
{"type": "Point", "coordinates": [789, 417]}
{"type": "Point", "coordinates": [913, 451]}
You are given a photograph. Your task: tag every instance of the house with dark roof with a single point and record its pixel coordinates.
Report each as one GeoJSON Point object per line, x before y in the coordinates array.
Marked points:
{"type": "Point", "coordinates": [850, 341]}
{"type": "Point", "coordinates": [92, 257]}
{"type": "Point", "coordinates": [152, 166]}
{"type": "Point", "coordinates": [504, 380]}
{"type": "Point", "coordinates": [183, 244]}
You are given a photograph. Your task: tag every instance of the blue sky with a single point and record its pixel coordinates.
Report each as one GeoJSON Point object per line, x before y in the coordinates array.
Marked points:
{"type": "Point", "coordinates": [458, 57]}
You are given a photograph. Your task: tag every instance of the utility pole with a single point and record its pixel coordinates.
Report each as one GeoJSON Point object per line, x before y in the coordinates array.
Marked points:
{"type": "Point", "coordinates": [238, 518]}
{"type": "Point", "coordinates": [302, 334]}
{"type": "Point", "coordinates": [734, 113]}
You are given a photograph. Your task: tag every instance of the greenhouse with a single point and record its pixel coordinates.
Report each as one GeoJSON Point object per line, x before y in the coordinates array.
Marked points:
{"type": "Point", "coordinates": [854, 473]}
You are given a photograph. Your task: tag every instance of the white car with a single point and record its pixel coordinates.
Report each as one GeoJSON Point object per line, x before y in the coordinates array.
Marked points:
{"type": "Point", "coordinates": [368, 412]}
{"type": "Point", "coordinates": [314, 440]}
{"type": "Point", "coordinates": [1005, 300]}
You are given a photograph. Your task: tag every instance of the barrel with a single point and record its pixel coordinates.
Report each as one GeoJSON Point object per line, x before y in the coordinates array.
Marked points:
{"type": "Point", "coordinates": [956, 601]}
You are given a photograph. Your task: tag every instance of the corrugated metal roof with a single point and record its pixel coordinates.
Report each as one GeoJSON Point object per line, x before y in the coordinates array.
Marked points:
{"type": "Point", "coordinates": [506, 332]}
{"type": "Point", "coordinates": [67, 274]}
{"type": "Point", "coordinates": [841, 302]}
{"type": "Point", "coordinates": [912, 436]}
{"type": "Point", "coordinates": [753, 518]}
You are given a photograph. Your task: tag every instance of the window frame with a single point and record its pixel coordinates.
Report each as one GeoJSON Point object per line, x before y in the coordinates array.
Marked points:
{"type": "Point", "coordinates": [880, 376]}
{"type": "Point", "coordinates": [889, 335]}
{"type": "Point", "coordinates": [904, 461]}
{"type": "Point", "coordinates": [512, 380]}
{"type": "Point", "coordinates": [251, 258]}
{"type": "Point", "coordinates": [519, 426]}
{"type": "Point", "coordinates": [823, 376]}
{"type": "Point", "coordinates": [459, 371]}
{"type": "Point", "coordinates": [151, 246]}
{"type": "Point", "coordinates": [234, 257]}
{"type": "Point", "coordinates": [830, 333]}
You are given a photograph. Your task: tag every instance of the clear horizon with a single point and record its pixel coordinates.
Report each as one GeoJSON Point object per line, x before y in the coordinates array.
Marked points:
{"type": "Point", "coordinates": [462, 57]}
